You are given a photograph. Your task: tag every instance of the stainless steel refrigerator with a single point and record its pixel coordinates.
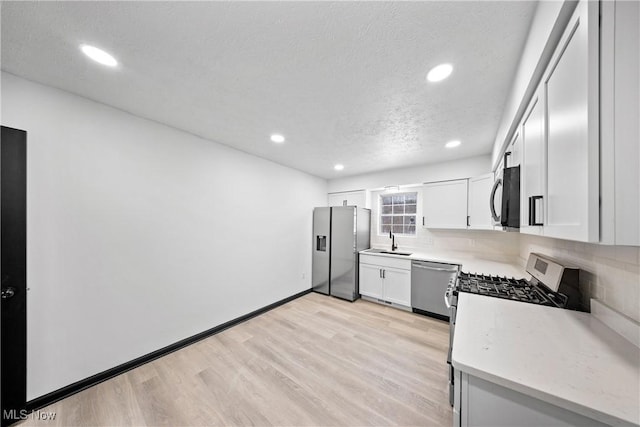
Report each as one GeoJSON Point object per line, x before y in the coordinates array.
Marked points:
{"type": "Point", "coordinates": [339, 233]}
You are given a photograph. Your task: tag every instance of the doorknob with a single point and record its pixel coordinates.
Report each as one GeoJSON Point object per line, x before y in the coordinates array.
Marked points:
{"type": "Point", "coordinates": [7, 293]}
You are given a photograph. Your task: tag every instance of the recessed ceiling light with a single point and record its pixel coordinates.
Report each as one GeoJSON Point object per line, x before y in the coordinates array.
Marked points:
{"type": "Point", "coordinates": [338, 167]}
{"type": "Point", "coordinates": [277, 138]}
{"type": "Point", "coordinates": [99, 55]}
{"type": "Point", "coordinates": [439, 72]}
{"type": "Point", "coordinates": [452, 144]}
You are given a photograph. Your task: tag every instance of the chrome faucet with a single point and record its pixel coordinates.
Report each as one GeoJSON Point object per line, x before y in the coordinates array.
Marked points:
{"type": "Point", "coordinates": [393, 241]}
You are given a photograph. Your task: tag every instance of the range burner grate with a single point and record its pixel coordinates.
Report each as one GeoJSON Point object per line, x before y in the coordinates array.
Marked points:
{"type": "Point", "coordinates": [507, 288]}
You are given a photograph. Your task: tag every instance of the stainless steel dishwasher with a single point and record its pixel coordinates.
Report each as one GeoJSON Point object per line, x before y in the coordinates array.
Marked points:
{"type": "Point", "coordinates": [429, 281]}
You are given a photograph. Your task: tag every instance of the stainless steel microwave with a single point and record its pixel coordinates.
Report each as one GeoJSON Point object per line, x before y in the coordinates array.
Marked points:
{"type": "Point", "coordinates": [504, 201]}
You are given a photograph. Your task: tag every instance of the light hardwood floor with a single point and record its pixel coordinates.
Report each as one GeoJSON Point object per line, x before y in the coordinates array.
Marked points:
{"type": "Point", "coordinates": [316, 361]}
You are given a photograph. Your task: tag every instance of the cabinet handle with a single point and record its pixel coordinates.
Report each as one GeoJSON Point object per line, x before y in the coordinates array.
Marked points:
{"type": "Point", "coordinates": [506, 156]}
{"type": "Point", "coordinates": [380, 272]}
{"type": "Point", "coordinates": [468, 223]}
{"type": "Point", "coordinates": [532, 210]}
{"type": "Point", "coordinates": [423, 221]}
{"type": "Point", "coordinates": [384, 274]}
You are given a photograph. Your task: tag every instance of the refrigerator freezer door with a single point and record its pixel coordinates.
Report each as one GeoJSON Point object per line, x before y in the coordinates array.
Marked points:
{"type": "Point", "coordinates": [343, 252]}
{"type": "Point", "coordinates": [363, 229]}
{"type": "Point", "coordinates": [321, 250]}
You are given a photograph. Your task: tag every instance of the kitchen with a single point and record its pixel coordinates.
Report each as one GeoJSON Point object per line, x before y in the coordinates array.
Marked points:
{"type": "Point", "coordinates": [155, 218]}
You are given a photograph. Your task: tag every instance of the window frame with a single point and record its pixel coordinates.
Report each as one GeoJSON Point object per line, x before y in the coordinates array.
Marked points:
{"type": "Point", "coordinates": [403, 215]}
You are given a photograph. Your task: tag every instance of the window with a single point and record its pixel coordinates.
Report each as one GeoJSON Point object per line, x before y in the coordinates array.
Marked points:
{"type": "Point", "coordinates": [398, 213]}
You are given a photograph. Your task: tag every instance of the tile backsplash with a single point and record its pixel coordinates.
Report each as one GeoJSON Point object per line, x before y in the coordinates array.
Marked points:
{"type": "Point", "coordinates": [499, 246]}
{"type": "Point", "coordinates": [608, 273]}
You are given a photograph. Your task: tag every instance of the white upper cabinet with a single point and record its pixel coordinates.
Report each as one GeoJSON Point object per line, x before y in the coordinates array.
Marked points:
{"type": "Point", "coordinates": [571, 94]}
{"type": "Point", "coordinates": [479, 212]}
{"type": "Point", "coordinates": [533, 168]}
{"type": "Point", "coordinates": [514, 157]}
{"type": "Point", "coordinates": [348, 198]}
{"type": "Point", "coordinates": [444, 204]}
{"type": "Point", "coordinates": [620, 123]}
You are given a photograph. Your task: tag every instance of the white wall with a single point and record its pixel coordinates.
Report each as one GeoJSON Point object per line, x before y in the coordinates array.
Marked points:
{"type": "Point", "coordinates": [140, 235]}
{"type": "Point", "coordinates": [463, 168]}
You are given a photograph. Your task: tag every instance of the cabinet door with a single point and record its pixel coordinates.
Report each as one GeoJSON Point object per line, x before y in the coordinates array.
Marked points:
{"type": "Point", "coordinates": [619, 124]}
{"type": "Point", "coordinates": [480, 398]}
{"type": "Point", "coordinates": [351, 198]}
{"type": "Point", "coordinates": [533, 170]}
{"type": "Point", "coordinates": [515, 148]}
{"type": "Point", "coordinates": [445, 204]}
{"type": "Point", "coordinates": [371, 280]}
{"type": "Point", "coordinates": [479, 199]}
{"type": "Point", "coordinates": [571, 93]}
{"type": "Point", "coordinates": [397, 286]}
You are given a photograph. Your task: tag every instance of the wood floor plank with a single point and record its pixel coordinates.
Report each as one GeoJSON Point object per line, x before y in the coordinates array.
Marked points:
{"type": "Point", "coordinates": [315, 361]}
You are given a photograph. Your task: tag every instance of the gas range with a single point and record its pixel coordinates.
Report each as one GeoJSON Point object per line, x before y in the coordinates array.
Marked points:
{"type": "Point", "coordinates": [552, 283]}
{"type": "Point", "coordinates": [509, 288]}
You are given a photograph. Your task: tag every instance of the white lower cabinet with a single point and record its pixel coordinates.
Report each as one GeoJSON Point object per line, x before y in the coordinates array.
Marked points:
{"type": "Point", "coordinates": [457, 393]}
{"type": "Point", "coordinates": [396, 285]}
{"type": "Point", "coordinates": [483, 403]}
{"type": "Point", "coordinates": [371, 280]}
{"type": "Point", "coordinates": [386, 279]}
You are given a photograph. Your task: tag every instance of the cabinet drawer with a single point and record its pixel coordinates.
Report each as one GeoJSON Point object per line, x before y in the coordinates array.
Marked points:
{"type": "Point", "coordinates": [386, 261]}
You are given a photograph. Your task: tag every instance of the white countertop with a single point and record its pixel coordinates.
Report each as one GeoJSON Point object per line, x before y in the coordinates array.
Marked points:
{"type": "Point", "coordinates": [469, 263]}
{"type": "Point", "coordinates": [567, 358]}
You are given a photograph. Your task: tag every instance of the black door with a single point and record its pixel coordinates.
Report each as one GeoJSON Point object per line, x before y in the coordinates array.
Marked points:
{"type": "Point", "coordinates": [13, 224]}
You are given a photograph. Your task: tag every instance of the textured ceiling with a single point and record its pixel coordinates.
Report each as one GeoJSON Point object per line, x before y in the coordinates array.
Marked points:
{"type": "Point", "coordinates": [343, 81]}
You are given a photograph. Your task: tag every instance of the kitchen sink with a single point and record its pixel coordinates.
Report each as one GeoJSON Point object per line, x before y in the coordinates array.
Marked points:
{"type": "Point", "coordinates": [396, 253]}
{"type": "Point", "coordinates": [382, 251]}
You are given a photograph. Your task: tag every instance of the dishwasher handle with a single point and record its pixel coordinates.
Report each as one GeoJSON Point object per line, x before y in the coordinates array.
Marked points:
{"type": "Point", "coordinates": [448, 270]}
